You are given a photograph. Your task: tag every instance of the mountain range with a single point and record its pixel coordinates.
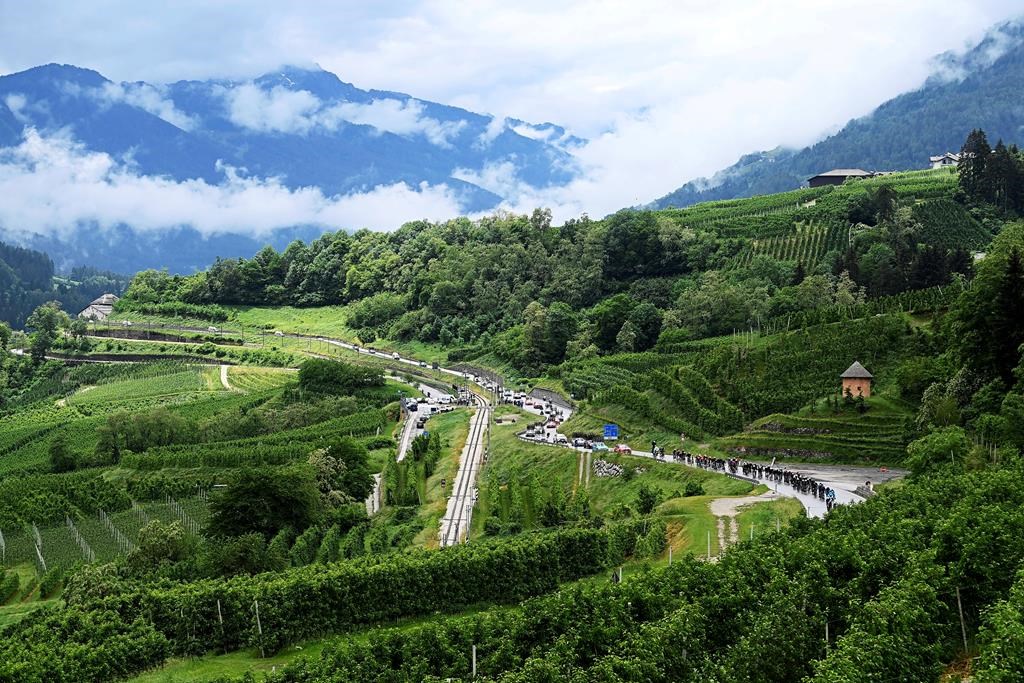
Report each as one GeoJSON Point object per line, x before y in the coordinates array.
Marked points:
{"type": "Point", "coordinates": [980, 88]}
{"type": "Point", "coordinates": [299, 127]}
{"type": "Point", "coordinates": [306, 134]}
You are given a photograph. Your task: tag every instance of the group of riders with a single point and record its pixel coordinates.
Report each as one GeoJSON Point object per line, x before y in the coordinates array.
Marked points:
{"type": "Point", "coordinates": [753, 470]}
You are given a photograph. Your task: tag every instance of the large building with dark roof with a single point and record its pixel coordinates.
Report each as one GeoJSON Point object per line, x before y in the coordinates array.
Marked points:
{"type": "Point", "coordinates": [838, 176]}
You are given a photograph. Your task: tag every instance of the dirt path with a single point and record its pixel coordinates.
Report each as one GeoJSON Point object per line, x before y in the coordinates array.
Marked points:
{"type": "Point", "coordinates": [725, 511]}
{"type": "Point", "coordinates": [224, 377]}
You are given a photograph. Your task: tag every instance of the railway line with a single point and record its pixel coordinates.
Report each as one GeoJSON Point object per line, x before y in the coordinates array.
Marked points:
{"type": "Point", "coordinates": [459, 514]}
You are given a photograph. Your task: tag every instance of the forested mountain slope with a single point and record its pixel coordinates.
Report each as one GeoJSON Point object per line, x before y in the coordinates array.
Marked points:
{"type": "Point", "coordinates": [27, 280]}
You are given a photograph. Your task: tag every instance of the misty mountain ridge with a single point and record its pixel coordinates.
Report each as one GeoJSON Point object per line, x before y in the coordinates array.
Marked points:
{"type": "Point", "coordinates": [300, 127]}
{"type": "Point", "coordinates": [979, 88]}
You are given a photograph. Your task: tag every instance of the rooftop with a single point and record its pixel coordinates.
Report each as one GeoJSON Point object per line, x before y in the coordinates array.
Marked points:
{"type": "Point", "coordinates": [856, 371]}
{"type": "Point", "coordinates": [105, 300]}
{"type": "Point", "coordinates": [845, 173]}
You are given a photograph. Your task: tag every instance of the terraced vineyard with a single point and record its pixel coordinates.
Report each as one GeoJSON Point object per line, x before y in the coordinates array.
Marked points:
{"type": "Point", "coordinates": [877, 436]}
{"type": "Point", "coordinates": [807, 244]}
{"type": "Point", "coordinates": [250, 379]}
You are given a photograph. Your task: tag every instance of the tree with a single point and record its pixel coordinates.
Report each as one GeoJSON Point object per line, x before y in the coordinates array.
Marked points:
{"type": "Point", "coordinates": [535, 329]}
{"type": "Point", "coordinates": [799, 274]}
{"type": "Point", "coordinates": [45, 322]}
{"type": "Point", "coordinates": [985, 321]}
{"type": "Point", "coordinates": [562, 326]}
{"type": "Point", "coordinates": [61, 457]}
{"type": "Point", "coordinates": [646, 499]}
{"type": "Point", "coordinates": [974, 157]}
{"type": "Point", "coordinates": [342, 472]}
{"type": "Point", "coordinates": [354, 478]}
{"type": "Point", "coordinates": [626, 339]}
{"type": "Point", "coordinates": [319, 375]}
{"type": "Point", "coordinates": [884, 203]}
{"type": "Point", "coordinates": [159, 544]}
{"type": "Point", "coordinates": [949, 445]}
{"type": "Point", "coordinates": [646, 321]}
{"type": "Point", "coordinates": [265, 500]}
{"type": "Point", "coordinates": [608, 318]}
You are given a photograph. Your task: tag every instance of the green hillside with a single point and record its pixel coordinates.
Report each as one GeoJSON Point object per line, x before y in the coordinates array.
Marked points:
{"type": "Point", "coordinates": [191, 497]}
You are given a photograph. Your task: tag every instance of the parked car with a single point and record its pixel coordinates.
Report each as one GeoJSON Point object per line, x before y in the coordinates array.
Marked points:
{"type": "Point", "coordinates": [552, 424]}
{"type": "Point", "coordinates": [578, 442]}
{"type": "Point", "coordinates": [278, 333]}
{"type": "Point", "coordinates": [623, 449]}
{"type": "Point", "coordinates": [530, 434]}
{"type": "Point", "coordinates": [562, 439]}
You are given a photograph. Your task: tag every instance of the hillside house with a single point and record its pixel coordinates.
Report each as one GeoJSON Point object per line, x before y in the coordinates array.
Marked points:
{"type": "Point", "coordinates": [838, 176]}
{"type": "Point", "coordinates": [100, 308]}
{"type": "Point", "coordinates": [856, 381]}
{"type": "Point", "coordinates": [943, 160]}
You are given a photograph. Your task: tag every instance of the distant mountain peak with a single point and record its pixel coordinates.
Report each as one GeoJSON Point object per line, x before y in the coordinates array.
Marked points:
{"type": "Point", "coordinates": [335, 155]}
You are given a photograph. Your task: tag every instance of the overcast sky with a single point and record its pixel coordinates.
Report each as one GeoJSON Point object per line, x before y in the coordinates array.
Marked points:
{"type": "Point", "coordinates": [664, 90]}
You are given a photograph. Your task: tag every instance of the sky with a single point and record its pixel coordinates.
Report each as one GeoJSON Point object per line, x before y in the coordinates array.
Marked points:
{"type": "Point", "coordinates": [664, 91]}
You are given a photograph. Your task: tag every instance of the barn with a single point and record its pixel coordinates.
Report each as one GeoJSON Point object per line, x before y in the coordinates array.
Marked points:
{"type": "Point", "coordinates": [838, 176]}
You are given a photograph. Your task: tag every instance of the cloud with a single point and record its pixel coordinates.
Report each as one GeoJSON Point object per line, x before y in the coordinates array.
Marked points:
{"type": "Point", "coordinates": [495, 127]}
{"type": "Point", "coordinates": [528, 130]}
{"type": "Point", "coordinates": [148, 97]}
{"type": "Point", "coordinates": [395, 116]}
{"type": "Point", "coordinates": [664, 90]}
{"type": "Point", "coordinates": [52, 184]}
{"type": "Point", "coordinates": [16, 102]}
{"type": "Point", "coordinates": [282, 110]}
{"type": "Point", "coordinates": [278, 110]}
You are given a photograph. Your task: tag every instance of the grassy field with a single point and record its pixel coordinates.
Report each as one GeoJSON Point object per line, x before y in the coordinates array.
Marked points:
{"type": "Point", "coordinates": [764, 517]}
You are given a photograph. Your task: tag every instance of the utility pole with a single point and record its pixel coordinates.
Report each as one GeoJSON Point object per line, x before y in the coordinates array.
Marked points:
{"type": "Point", "coordinates": [960, 609]}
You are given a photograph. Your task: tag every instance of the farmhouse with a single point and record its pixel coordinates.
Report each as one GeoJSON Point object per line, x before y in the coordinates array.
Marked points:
{"type": "Point", "coordinates": [838, 176]}
{"type": "Point", "coordinates": [947, 159]}
{"type": "Point", "coordinates": [100, 308]}
{"type": "Point", "coordinates": [856, 381]}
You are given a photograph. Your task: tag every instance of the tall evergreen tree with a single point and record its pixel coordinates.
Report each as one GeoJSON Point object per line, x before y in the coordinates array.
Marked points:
{"type": "Point", "coordinates": [974, 156]}
{"type": "Point", "coordinates": [1008, 317]}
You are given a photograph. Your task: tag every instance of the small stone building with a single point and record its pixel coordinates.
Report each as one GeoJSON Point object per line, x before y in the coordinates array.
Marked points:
{"type": "Point", "coordinates": [856, 381]}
